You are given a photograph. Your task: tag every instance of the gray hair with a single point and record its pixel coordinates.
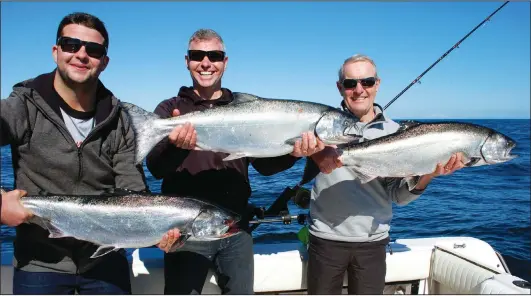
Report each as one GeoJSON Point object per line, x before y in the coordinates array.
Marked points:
{"type": "Point", "coordinates": [206, 34]}
{"type": "Point", "coordinates": [353, 59]}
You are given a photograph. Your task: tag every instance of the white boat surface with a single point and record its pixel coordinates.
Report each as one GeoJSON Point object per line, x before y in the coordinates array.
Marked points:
{"type": "Point", "coordinates": [438, 265]}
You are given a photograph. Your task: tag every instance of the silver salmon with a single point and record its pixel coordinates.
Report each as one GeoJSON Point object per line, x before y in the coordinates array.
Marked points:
{"type": "Point", "coordinates": [249, 126]}
{"type": "Point", "coordinates": [129, 220]}
{"type": "Point", "coordinates": [416, 149]}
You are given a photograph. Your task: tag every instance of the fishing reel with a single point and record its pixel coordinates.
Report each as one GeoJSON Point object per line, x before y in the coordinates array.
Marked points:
{"type": "Point", "coordinates": [283, 217]}
{"type": "Point", "coordinates": [278, 211]}
{"type": "Point", "coordinates": [301, 197]}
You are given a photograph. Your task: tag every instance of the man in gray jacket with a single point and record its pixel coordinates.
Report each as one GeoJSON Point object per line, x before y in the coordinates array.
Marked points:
{"type": "Point", "coordinates": [68, 135]}
{"type": "Point", "coordinates": [349, 221]}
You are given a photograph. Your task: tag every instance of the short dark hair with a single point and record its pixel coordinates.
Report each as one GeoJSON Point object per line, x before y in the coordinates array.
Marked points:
{"type": "Point", "coordinates": [84, 19]}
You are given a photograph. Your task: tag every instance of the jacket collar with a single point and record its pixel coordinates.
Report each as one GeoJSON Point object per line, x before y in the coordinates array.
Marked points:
{"type": "Point", "coordinates": [43, 85]}
{"type": "Point", "coordinates": [376, 122]}
{"type": "Point", "coordinates": [188, 93]}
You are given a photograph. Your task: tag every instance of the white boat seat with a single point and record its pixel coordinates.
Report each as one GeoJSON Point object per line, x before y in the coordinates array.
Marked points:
{"type": "Point", "coordinates": [453, 274]}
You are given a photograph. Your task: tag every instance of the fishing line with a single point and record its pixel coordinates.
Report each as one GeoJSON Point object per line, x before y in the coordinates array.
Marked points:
{"type": "Point", "coordinates": [417, 80]}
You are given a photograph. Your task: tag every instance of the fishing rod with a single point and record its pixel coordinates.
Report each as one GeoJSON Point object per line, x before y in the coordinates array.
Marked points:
{"type": "Point", "coordinates": [278, 211]}
{"type": "Point", "coordinates": [417, 80]}
{"type": "Point", "coordinates": [285, 219]}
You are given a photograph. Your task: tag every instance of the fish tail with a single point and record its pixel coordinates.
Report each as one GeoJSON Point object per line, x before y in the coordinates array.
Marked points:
{"type": "Point", "coordinates": [146, 136]}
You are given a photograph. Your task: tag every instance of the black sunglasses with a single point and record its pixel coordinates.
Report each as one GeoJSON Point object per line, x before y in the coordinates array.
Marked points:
{"type": "Point", "coordinates": [213, 55]}
{"type": "Point", "coordinates": [73, 45]}
{"type": "Point", "coordinates": [365, 82]}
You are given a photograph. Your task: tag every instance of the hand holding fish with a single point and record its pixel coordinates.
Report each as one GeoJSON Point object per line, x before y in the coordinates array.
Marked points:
{"type": "Point", "coordinates": [455, 163]}
{"type": "Point", "coordinates": [13, 213]}
{"type": "Point", "coordinates": [169, 239]}
{"type": "Point", "coordinates": [183, 136]}
{"type": "Point", "coordinates": [308, 145]}
{"type": "Point", "coordinates": [327, 159]}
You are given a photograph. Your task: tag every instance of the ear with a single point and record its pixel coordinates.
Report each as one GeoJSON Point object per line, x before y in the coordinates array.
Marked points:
{"type": "Point", "coordinates": [105, 62]}
{"type": "Point", "coordinates": [186, 60]}
{"type": "Point", "coordinates": [377, 85]}
{"type": "Point", "coordinates": [226, 62]}
{"type": "Point", "coordinates": [54, 53]}
{"type": "Point", "coordinates": [339, 87]}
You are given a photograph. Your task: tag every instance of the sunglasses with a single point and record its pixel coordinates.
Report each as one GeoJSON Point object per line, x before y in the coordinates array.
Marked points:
{"type": "Point", "coordinates": [365, 82]}
{"type": "Point", "coordinates": [73, 45]}
{"type": "Point", "coordinates": [213, 56]}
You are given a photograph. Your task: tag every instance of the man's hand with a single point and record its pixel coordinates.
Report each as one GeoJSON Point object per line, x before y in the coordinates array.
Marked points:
{"type": "Point", "coordinates": [183, 136]}
{"type": "Point", "coordinates": [327, 159]}
{"type": "Point", "coordinates": [455, 163]}
{"type": "Point", "coordinates": [13, 212]}
{"type": "Point", "coordinates": [169, 239]}
{"type": "Point", "coordinates": [307, 146]}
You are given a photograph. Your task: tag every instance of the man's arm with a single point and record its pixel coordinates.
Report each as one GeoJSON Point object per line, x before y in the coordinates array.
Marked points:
{"type": "Point", "coordinates": [272, 165]}
{"type": "Point", "coordinates": [402, 196]}
{"type": "Point", "coordinates": [14, 120]}
{"type": "Point", "coordinates": [128, 175]}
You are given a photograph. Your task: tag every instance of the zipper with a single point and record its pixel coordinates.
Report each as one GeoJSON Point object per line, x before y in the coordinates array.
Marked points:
{"type": "Point", "coordinates": [67, 134]}
{"type": "Point", "coordinates": [80, 162]}
{"type": "Point", "coordinates": [91, 133]}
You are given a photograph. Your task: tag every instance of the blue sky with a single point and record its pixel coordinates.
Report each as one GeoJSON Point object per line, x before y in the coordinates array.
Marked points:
{"type": "Point", "coordinates": [293, 50]}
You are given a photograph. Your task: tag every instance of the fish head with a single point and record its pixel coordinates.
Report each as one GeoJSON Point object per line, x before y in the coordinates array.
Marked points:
{"type": "Point", "coordinates": [497, 148]}
{"type": "Point", "coordinates": [214, 223]}
{"type": "Point", "coordinates": [337, 127]}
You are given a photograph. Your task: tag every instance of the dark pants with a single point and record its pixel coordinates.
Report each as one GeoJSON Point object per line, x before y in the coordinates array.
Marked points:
{"type": "Point", "coordinates": [329, 260]}
{"type": "Point", "coordinates": [105, 278]}
{"type": "Point", "coordinates": [185, 271]}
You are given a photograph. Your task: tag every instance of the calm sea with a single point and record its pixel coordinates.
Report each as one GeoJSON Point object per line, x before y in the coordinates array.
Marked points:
{"type": "Point", "coordinates": [491, 203]}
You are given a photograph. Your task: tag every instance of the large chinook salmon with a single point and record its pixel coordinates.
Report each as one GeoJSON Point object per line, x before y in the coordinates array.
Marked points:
{"type": "Point", "coordinates": [249, 126]}
{"type": "Point", "coordinates": [129, 220]}
{"type": "Point", "coordinates": [417, 148]}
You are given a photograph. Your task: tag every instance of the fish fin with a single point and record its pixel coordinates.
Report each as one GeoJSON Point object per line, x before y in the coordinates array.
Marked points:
{"type": "Point", "coordinates": [472, 161]}
{"type": "Point", "coordinates": [145, 136]}
{"type": "Point", "coordinates": [103, 250]}
{"type": "Point", "coordinates": [54, 231]}
{"type": "Point", "coordinates": [364, 178]}
{"type": "Point", "coordinates": [292, 141]}
{"type": "Point", "coordinates": [179, 243]}
{"type": "Point", "coordinates": [411, 182]}
{"type": "Point", "coordinates": [242, 98]}
{"type": "Point", "coordinates": [233, 156]}
{"type": "Point", "coordinates": [122, 191]}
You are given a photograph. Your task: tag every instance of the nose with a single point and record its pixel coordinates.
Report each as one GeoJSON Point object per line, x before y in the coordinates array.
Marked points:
{"type": "Point", "coordinates": [82, 53]}
{"type": "Point", "coordinates": [359, 89]}
{"type": "Point", "coordinates": [205, 63]}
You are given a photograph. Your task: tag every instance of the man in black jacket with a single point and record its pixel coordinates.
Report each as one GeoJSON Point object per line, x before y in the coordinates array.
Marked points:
{"type": "Point", "coordinates": [204, 174]}
{"type": "Point", "coordinates": [68, 135]}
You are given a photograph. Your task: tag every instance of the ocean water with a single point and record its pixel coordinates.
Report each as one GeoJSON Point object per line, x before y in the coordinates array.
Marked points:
{"type": "Point", "coordinates": [491, 203]}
